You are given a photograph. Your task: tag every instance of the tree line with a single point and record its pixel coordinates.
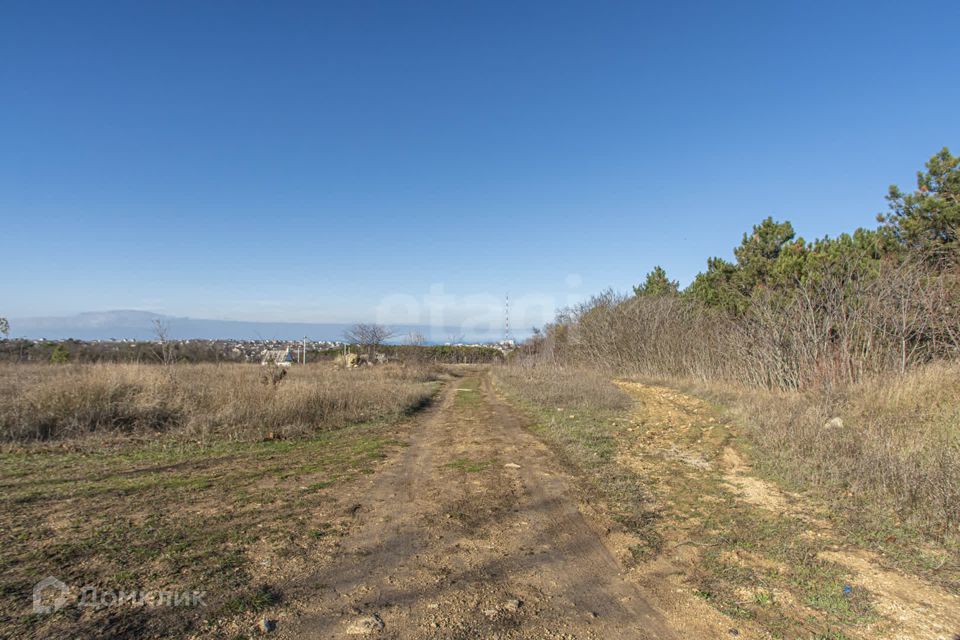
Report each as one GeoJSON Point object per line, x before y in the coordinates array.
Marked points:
{"type": "Point", "coordinates": [787, 313]}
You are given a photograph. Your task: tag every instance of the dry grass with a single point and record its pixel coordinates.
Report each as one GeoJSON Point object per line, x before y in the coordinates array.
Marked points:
{"type": "Point", "coordinates": [230, 401]}
{"type": "Point", "coordinates": [571, 387]}
{"type": "Point", "coordinates": [896, 452]}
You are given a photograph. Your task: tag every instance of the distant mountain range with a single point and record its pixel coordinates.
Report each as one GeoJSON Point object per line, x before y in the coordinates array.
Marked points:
{"type": "Point", "coordinates": [139, 325]}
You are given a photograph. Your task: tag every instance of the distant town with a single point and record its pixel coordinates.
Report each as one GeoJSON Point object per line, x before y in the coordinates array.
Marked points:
{"type": "Point", "coordinates": [227, 350]}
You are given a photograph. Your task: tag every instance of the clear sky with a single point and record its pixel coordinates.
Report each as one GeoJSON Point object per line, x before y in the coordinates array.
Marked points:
{"type": "Point", "coordinates": [346, 161]}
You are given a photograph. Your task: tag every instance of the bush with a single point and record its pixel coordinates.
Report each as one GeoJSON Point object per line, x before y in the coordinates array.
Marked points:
{"type": "Point", "coordinates": [60, 355]}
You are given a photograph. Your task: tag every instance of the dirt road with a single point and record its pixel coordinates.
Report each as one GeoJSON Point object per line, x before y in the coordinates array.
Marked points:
{"type": "Point", "coordinates": [471, 531]}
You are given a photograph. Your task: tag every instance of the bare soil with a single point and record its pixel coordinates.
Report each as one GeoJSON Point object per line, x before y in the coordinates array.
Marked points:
{"type": "Point", "coordinates": [473, 530]}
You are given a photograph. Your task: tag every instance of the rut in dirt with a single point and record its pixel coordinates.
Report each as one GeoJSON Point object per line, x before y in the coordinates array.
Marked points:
{"type": "Point", "coordinates": [473, 530]}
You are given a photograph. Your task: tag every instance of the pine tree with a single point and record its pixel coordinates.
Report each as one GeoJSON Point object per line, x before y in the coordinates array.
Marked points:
{"type": "Point", "coordinates": [657, 284]}
{"type": "Point", "coordinates": [929, 218]}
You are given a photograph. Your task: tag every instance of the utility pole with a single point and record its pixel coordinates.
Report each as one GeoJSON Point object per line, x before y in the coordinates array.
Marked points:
{"type": "Point", "coordinates": [506, 318]}
{"type": "Point", "coordinates": [304, 349]}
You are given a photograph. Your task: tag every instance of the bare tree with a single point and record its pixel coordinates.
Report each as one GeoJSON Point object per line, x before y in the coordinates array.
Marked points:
{"type": "Point", "coordinates": [415, 339]}
{"type": "Point", "coordinates": [161, 330]}
{"type": "Point", "coordinates": [368, 336]}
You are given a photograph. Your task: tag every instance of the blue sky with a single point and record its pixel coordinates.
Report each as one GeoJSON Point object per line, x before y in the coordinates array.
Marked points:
{"type": "Point", "coordinates": [338, 161]}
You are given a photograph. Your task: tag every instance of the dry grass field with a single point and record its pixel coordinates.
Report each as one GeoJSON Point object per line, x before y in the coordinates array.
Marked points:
{"type": "Point", "coordinates": [204, 402]}
{"type": "Point", "coordinates": [145, 478]}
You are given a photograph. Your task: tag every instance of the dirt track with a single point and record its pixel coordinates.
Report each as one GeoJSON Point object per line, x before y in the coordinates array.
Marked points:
{"type": "Point", "coordinates": [472, 530]}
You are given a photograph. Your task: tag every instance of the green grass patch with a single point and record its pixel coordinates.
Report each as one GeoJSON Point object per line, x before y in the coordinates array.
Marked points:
{"type": "Point", "coordinates": [253, 600]}
{"type": "Point", "coordinates": [468, 393]}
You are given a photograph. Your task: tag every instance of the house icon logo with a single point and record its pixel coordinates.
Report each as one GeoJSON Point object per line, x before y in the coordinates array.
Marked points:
{"type": "Point", "coordinates": [49, 595]}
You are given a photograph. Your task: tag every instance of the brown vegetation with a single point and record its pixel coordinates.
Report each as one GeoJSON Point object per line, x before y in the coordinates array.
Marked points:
{"type": "Point", "coordinates": [564, 387]}
{"type": "Point", "coordinates": [44, 402]}
{"type": "Point", "coordinates": [884, 447]}
{"type": "Point", "coordinates": [833, 330]}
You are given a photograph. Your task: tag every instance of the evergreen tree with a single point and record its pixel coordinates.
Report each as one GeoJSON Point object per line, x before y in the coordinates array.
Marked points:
{"type": "Point", "coordinates": [657, 284]}
{"type": "Point", "coordinates": [758, 252]}
{"type": "Point", "coordinates": [715, 286]}
{"type": "Point", "coordinates": [60, 355]}
{"type": "Point", "coordinates": [928, 218]}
